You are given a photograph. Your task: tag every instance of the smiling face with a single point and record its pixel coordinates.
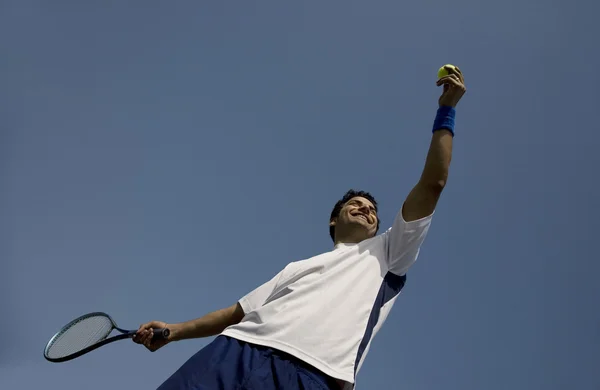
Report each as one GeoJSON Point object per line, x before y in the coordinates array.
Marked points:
{"type": "Point", "coordinates": [356, 221]}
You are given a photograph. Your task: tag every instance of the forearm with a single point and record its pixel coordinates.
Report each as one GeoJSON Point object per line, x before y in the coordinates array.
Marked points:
{"type": "Point", "coordinates": [423, 198]}
{"type": "Point", "coordinates": [437, 164]}
{"type": "Point", "coordinates": [208, 325]}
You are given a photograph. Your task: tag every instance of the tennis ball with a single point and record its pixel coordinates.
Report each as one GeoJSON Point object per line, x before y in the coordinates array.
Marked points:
{"type": "Point", "coordinates": [442, 72]}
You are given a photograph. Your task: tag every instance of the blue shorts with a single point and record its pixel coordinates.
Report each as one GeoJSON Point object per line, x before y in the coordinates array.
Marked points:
{"type": "Point", "coordinates": [228, 364]}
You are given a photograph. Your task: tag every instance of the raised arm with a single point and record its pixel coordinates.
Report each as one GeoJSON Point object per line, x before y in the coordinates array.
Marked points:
{"type": "Point", "coordinates": [423, 198]}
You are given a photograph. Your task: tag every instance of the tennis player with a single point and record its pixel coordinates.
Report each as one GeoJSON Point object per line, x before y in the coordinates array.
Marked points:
{"type": "Point", "coordinates": [310, 327]}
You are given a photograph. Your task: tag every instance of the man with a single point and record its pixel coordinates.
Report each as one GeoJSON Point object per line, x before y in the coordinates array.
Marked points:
{"type": "Point", "coordinates": [310, 326]}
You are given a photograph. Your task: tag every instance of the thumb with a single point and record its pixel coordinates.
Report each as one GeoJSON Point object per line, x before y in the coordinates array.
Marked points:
{"type": "Point", "coordinates": [155, 324]}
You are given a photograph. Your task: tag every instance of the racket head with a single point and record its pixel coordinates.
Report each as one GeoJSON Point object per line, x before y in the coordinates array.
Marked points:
{"type": "Point", "coordinates": [78, 336]}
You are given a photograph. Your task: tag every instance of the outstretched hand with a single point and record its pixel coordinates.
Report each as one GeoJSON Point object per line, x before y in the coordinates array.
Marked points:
{"type": "Point", "coordinates": [145, 332]}
{"type": "Point", "coordinates": [454, 87]}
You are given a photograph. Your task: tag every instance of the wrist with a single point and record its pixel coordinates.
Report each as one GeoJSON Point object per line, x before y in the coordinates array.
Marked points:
{"type": "Point", "coordinates": [444, 119]}
{"type": "Point", "coordinates": [177, 332]}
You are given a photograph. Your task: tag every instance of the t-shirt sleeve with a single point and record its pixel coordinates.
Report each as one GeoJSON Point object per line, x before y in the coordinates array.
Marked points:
{"type": "Point", "coordinates": [257, 297]}
{"type": "Point", "coordinates": [404, 240]}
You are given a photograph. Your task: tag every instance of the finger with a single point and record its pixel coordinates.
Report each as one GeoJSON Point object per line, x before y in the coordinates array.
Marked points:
{"type": "Point", "coordinates": [446, 79]}
{"type": "Point", "coordinates": [137, 339]}
{"type": "Point", "coordinates": [460, 75]}
{"type": "Point", "coordinates": [454, 70]}
{"type": "Point", "coordinates": [142, 328]}
{"type": "Point", "coordinates": [150, 336]}
{"type": "Point", "coordinates": [138, 336]}
{"type": "Point", "coordinates": [145, 327]}
{"type": "Point", "coordinates": [145, 336]}
{"type": "Point", "coordinates": [452, 78]}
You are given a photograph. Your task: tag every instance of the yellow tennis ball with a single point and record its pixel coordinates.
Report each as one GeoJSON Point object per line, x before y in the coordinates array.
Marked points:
{"type": "Point", "coordinates": [442, 72]}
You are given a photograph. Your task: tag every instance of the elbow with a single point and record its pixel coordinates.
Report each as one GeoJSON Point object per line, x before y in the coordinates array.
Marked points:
{"type": "Point", "coordinates": [440, 184]}
{"type": "Point", "coordinates": [434, 187]}
{"type": "Point", "coordinates": [438, 187]}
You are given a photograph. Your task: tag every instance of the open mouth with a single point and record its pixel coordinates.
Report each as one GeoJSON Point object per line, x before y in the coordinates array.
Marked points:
{"type": "Point", "coordinates": [362, 216]}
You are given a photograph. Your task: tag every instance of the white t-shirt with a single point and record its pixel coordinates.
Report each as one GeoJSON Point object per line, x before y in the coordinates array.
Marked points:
{"type": "Point", "coordinates": [325, 310]}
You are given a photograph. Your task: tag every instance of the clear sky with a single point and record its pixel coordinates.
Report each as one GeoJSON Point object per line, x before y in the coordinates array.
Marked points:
{"type": "Point", "coordinates": [159, 160]}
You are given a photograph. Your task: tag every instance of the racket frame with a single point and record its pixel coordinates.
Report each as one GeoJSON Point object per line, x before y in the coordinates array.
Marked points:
{"type": "Point", "coordinates": [158, 333]}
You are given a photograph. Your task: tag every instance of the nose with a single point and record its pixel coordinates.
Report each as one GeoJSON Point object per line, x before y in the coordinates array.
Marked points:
{"type": "Point", "coordinates": [364, 209]}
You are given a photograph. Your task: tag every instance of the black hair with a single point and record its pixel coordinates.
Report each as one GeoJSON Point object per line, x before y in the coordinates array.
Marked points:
{"type": "Point", "coordinates": [340, 203]}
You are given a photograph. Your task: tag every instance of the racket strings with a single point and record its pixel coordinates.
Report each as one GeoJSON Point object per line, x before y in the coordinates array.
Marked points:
{"type": "Point", "coordinates": [80, 335]}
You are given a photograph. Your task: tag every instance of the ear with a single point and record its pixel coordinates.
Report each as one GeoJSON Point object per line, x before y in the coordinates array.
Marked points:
{"type": "Point", "coordinates": [333, 222]}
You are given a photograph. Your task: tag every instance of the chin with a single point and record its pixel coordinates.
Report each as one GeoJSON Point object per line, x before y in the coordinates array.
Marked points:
{"type": "Point", "coordinates": [368, 230]}
{"type": "Point", "coordinates": [371, 231]}
{"type": "Point", "coordinates": [371, 234]}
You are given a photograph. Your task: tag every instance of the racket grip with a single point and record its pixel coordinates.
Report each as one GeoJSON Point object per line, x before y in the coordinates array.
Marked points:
{"type": "Point", "coordinates": [160, 334]}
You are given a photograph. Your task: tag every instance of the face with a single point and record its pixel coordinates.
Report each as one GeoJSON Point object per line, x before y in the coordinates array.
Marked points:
{"type": "Point", "coordinates": [358, 214]}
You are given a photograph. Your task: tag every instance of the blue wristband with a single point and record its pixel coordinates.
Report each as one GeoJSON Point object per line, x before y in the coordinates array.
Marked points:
{"type": "Point", "coordinates": [444, 119]}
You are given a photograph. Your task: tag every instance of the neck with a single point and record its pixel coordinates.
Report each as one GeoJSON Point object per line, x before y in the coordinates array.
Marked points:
{"type": "Point", "coordinates": [349, 238]}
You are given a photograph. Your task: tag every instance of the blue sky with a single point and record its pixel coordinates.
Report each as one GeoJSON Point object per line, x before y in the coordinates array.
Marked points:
{"type": "Point", "coordinates": [158, 160]}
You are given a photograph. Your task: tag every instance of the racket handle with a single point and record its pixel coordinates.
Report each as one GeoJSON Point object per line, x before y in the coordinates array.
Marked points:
{"type": "Point", "coordinates": [160, 334]}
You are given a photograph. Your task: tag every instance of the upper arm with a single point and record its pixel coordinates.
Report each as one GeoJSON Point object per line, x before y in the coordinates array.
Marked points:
{"type": "Point", "coordinates": [421, 201]}
{"type": "Point", "coordinates": [257, 297]}
{"type": "Point", "coordinates": [237, 313]}
{"type": "Point", "coordinates": [404, 240]}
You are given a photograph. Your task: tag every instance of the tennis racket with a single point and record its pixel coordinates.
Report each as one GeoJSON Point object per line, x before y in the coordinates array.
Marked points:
{"type": "Point", "coordinates": [85, 334]}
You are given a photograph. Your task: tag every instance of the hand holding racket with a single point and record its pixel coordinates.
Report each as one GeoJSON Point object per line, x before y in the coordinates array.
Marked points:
{"type": "Point", "coordinates": [90, 331]}
{"type": "Point", "coordinates": [145, 335]}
